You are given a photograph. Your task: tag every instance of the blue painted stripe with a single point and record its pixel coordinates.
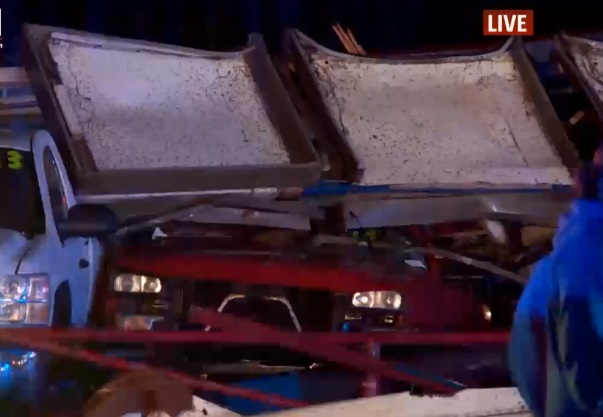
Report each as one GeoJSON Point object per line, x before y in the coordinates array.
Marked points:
{"type": "Point", "coordinates": [334, 188]}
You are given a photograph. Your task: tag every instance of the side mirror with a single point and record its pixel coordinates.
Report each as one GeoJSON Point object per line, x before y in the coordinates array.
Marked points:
{"type": "Point", "coordinates": [88, 220]}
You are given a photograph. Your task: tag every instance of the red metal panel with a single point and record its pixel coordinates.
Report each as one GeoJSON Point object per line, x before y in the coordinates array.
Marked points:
{"type": "Point", "coordinates": [326, 351]}
{"type": "Point", "coordinates": [259, 272]}
{"type": "Point", "coordinates": [243, 331]}
{"type": "Point", "coordinates": [235, 337]}
{"type": "Point", "coordinates": [456, 306]}
{"type": "Point", "coordinates": [432, 305]}
{"type": "Point", "coordinates": [120, 364]}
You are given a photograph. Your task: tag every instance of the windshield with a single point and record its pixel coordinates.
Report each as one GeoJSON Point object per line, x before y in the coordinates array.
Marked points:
{"type": "Point", "coordinates": [20, 207]}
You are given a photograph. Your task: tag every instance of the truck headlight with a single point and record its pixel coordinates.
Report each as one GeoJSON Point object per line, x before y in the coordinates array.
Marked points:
{"type": "Point", "coordinates": [389, 300]}
{"type": "Point", "coordinates": [137, 284]}
{"type": "Point", "coordinates": [24, 299]}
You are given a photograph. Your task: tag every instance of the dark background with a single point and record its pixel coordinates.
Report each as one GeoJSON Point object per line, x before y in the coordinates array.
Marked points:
{"type": "Point", "coordinates": [224, 24]}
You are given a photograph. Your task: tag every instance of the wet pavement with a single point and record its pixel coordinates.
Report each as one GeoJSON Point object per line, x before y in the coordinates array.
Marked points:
{"type": "Point", "coordinates": [19, 382]}
{"type": "Point", "coordinates": [32, 384]}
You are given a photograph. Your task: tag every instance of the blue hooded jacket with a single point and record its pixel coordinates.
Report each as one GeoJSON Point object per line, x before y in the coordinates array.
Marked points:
{"type": "Point", "coordinates": [556, 348]}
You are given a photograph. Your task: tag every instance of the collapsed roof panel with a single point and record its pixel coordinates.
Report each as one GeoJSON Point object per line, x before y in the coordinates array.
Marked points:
{"type": "Point", "coordinates": [139, 110]}
{"type": "Point", "coordinates": [147, 118]}
{"type": "Point", "coordinates": [582, 58]}
{"type": "Point", "coordinates": [587, 56]}
{"type": "Point", "coordinates": [438, 122]}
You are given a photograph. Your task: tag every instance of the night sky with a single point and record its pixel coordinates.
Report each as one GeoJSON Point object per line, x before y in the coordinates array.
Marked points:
{"type": "Point", "coordinates": [224, 24]}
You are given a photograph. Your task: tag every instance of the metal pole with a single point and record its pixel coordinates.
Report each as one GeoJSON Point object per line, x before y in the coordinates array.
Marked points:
{"type": "Point", "coordinates": [370, 384]}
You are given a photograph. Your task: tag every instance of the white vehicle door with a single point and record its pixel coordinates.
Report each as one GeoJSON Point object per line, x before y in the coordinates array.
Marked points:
{"type": "Point", "coordinates": [68, 259]}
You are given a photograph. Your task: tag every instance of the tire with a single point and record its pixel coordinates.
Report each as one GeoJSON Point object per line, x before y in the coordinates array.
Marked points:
{"type": "Point", "coordinates": [61, 316]}
{"type": "Point", "coordinates": [51, 368]}
{"type": "Point", "coordinates": [66, 383]}
{"type": "Point", "coordinates": [48, 364]}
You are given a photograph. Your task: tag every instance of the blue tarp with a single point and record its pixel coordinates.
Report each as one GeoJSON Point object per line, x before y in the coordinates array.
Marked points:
{"type": "Point", "coordinates": [556, 350]}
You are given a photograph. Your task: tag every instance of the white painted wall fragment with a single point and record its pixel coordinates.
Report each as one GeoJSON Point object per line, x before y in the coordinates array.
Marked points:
{"type": "Point", "coordinates": [468, 403]}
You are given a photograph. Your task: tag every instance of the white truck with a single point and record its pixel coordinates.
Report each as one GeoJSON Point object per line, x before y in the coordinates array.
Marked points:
{"type": "Point", "coordinates": [94, 152]}
{"type": "Point", "coordinates": [49, 251]}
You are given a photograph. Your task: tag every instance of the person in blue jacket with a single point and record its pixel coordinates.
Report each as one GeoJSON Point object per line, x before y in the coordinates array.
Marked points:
{"type": "Point", "coordinates": [556, 347]}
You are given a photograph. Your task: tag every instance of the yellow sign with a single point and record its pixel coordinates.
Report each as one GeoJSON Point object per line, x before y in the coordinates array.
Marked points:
{"type": "Point", "coordinates": [370, 235]}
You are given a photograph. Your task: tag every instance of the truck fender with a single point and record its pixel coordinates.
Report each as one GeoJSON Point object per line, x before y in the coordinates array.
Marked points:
{"type": "Point", "coordinates": [61, 313]}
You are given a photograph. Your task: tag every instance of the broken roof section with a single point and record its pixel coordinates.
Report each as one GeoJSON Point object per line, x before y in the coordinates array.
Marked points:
{"type": "Point", "coordinates": [438, 122]}
{"type": "Point", "coordinates": [139, 117]}
{"type": "Point", "coordinates": [582, 58]}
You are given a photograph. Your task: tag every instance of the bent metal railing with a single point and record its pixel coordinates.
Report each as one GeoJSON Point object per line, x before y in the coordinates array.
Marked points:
{"type": "Point", "coordinates": [332, 347]}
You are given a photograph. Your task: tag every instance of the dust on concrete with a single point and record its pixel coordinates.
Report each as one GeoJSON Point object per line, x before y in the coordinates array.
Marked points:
{"type": "Point", "coordinates": [141, 110]}
{"type": "Point", "coordinates": [445, 123]}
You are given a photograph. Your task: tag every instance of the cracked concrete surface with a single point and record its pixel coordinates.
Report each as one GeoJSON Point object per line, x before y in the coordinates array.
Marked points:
{"type": "Point", "coordinates": [447, 123]}
{"type": "Point", "coordinates": [140, 110]}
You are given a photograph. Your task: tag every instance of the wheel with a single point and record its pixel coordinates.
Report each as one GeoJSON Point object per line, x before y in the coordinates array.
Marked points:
{"type": "Point", "coordinates": [66, 383]}
{"type": "Point", "coordinates": [61, 319]}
